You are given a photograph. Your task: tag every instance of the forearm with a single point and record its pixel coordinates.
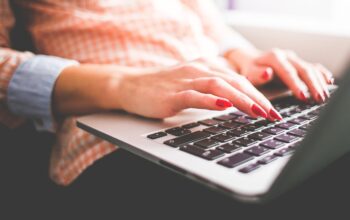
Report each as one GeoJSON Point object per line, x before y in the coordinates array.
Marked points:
{"type": "Point", "coordinates": [86, 88]}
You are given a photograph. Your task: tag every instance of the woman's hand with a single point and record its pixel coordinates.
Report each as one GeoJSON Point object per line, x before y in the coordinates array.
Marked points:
{"type": "Point", "coordinates": [299, 75]}
{"type": "Point", "coordinates": [165, 92]}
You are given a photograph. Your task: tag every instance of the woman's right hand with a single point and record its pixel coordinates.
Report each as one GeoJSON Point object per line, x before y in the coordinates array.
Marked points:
{"type": "Point", "coordinates": [165, 92]}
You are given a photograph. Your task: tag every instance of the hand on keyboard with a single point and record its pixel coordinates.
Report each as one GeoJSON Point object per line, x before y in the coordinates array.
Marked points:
{"type": "Point", "coordinates": [165, 92]}
{"type": "Point", "coordinates": [260, 68]}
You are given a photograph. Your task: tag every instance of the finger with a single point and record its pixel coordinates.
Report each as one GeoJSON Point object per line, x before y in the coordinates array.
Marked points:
{"type": "Point", "coordinates": [191, 70]}
{"type": "Point", "coordinates": [258, 75]}
{"type": "Point", "coordinates": [308, 75]}
{"type": "Point", "coordinates": [286, 71]}
{"type": "Point", "coordinates": [194, 99]}
{"type": "Point", "coordinates": [219, 87]}
{"type": "Point", "coordinates": [217, 65]}
{"type": "Point", "coordinates": [326, 73]}
{"type": "Point", "coordinates": [246, 87]}
{"type": "Point", "coordinates": [321, 79]}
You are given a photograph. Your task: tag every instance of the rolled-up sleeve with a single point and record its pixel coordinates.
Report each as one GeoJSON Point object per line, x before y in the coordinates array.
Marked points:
{"type": "Point", "coordinates": [30, 90]}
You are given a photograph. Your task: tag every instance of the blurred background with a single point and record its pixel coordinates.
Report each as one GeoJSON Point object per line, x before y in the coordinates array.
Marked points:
{"type": "Point", "coordinates": [323, 10]}
{"type": "Point", "coordinates": [318, 30]}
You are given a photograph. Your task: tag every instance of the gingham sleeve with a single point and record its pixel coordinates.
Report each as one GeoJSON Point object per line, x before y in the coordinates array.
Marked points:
{"type": "Point", "coordinates": [26, 81]}
{"type": "Point", "coordinates": [9, 60]}
{"type": "Point", "coordinates": [215, 26]}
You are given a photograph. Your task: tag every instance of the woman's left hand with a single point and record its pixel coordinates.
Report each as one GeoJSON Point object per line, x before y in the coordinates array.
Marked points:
{"type": "Point", "coordinates": [300, 76]}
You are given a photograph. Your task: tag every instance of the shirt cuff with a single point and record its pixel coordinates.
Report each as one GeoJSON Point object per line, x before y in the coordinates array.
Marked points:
{"type": "Point", "coordinates": [30, 90]}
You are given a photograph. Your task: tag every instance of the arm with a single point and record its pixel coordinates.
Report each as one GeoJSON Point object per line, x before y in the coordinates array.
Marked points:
{"type": "Point", "coordinates": [260, 67]}
{"type": "Point", "coordinates": [26, 80]}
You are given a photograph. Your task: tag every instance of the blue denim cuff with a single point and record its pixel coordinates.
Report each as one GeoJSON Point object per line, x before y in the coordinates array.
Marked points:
{"type": "Point", "coordinates": [30, 90]}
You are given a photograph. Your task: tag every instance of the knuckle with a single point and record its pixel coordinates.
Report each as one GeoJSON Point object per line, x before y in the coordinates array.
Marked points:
{"type": "Point", "coordinates": [192, 67]}
{"type": "Point", "coordinates": [188, 94]}
{"type": "Point", "coordinates": [214, 82]}
{"type": "Point", "coordinates": [189, 67]}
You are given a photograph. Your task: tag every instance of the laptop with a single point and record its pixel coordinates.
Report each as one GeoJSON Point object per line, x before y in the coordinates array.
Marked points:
{"type": "Point", "coordinates": [252, 160]}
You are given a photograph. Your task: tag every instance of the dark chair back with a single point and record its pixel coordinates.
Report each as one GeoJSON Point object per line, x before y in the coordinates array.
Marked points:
{"type": "Point", "coordinates": [20, 37]}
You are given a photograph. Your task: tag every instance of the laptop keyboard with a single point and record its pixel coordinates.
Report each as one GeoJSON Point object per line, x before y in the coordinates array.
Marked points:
{"type": "Point", "coordinates": [236, 139]}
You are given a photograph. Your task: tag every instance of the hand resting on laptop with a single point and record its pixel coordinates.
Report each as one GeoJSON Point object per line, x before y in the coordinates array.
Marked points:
{"type": "Point", "coordinates": [203, 83]}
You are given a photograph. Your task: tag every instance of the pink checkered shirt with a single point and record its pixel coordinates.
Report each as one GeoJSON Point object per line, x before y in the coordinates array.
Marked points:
{"type": "Point", "coordinates": [138, 33]}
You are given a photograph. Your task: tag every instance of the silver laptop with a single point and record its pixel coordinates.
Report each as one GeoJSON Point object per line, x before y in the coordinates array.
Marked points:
{"type": "Point", "coordinates": [249, 159]}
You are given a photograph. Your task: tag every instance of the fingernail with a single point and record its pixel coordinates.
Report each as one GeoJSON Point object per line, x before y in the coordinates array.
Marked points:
{"type": "Point", "coordinates": [326, 94]}
{"type": "Point", "coordinates": [223, 103]}
{"type": "Point", "coordinates": [331, 81]}
{"type": "Point", "coordinates": [320, 98]}
{"type": "Point", "coordinates": [303, 96]}
{"type": "Point", "coordinates": [267, 73]}
{"type": "Point", "coordinates": [274, 114]}
{"type": "Point", "coordinates": [259, 111]}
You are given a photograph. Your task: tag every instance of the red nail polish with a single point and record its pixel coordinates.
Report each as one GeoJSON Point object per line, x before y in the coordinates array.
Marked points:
{"type": "Point", "coordinates": [274, 114]}
{"type": "Point", "coordinates": [223, 103]}
{"type": "Point", "coordinates": [303, 96]}
{"type": "Point", "coordinates": [320, 98]}
{"type": "Point", "coordinates": [326, 94]}
{"type": "Point", "coordinates": [267, 73]}
{"type": "Point", "coordinates": [259, 111]}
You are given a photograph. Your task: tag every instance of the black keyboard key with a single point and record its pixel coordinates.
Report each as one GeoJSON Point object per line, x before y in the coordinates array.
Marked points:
{"type": "Point", "coordinates": [206, 154]}
{"type": "Point", "coordinates": [229, 148]}
{"type": "Point", "coordinates": [245, 141]}
{"type": "Point", "coordinates": [305, 127]}
{"type": "Point", "coordinates": [238, 113]}
{"type": "Point", "coordinates": [297, 132]}
{"type": "Point", "coordinates": [157, 135]}
{"type": "Point", "coordinates": [314, 112]}
{"type": "Point", "coordinates": [253, 127]}
{"type": "Point", "coordinates": [298, 121]}
{"type": "Point", "coordinates": [263, 123]}
{"type": "Point", "coordinates": [242, 120]}
{"type": "Point", "coordinates": [206, 143]}
{"type": "Point", "coordinates": [286, 114]}
{"type": "Point", "coordinates": [209, 122]}
{"type": "Point", "coordinates": [191, 125]}
{"type": "Point", "coordinates": [224, 137]}
{"type": "Point", "coordinates": [214, 130]}
{"type": "Point", "coordinates": [284, 152]}
{"type": "Point", "coordinates": [308, 117]}
{"type": "Point", "coordinates": [286, 125]}
{"type": "Point", "coordinates": [268, 159]}
{"type": "Point", "coordinates": [250, 168]}
{"type": "Point", "coordinates": [272, 144]}
{"type": "Point", "coordinates": [230, 125]}
{"type": "Point", "coordinates": [235, 160]}
{"type": "Point", "coordinates": [273, 130]}
{"type": "Point", "coordinates": [286, 138]}
{"type": "Point", "coordinates": [238, 131]}
{"type": "Point", "coordinates": [179, 141]}
{"type": "Point", "coordinates": [178, 131]}
{"type": "Point", "coordinates": [257, 151]}
{"type": "Point", "coordinates": [225, 117]}
{"type": "Point", "coordinates": [260, 136]}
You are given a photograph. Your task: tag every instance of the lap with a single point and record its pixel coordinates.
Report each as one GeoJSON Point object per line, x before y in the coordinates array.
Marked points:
{"type": "Point", "coordinates": [124, 184]}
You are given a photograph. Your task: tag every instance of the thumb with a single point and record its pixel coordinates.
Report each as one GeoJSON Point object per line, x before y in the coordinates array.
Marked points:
{"type": "Point", "coordinates": [258, 75]}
